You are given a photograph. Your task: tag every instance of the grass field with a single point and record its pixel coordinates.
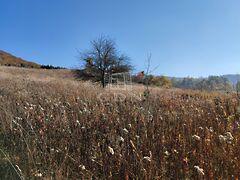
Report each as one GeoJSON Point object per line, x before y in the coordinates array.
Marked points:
{"type": "Point", "coordinates": [54, 127]}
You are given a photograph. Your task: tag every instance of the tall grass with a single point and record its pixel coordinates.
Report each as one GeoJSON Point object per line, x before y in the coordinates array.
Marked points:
{"type": "Point", "coordinates": [59, 129]}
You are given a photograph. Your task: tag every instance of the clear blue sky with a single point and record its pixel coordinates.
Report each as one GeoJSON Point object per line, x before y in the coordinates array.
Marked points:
{"type": "Point", "coordinates": [185, 37]}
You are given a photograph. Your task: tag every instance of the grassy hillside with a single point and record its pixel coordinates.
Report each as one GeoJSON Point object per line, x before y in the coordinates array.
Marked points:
{"type": "Point", "coordinates": [35, 74]}
{"type": "Point", "coordinates": [54, 127]}
{"type": "Point", "coordinates": [7, 59]}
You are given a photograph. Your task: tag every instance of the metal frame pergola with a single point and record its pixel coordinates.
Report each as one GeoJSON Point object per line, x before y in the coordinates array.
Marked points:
{"type": "Point", "coordinates": [120, 80]}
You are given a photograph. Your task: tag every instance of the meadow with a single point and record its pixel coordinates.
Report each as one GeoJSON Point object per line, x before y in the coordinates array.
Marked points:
{"type": "Point", "coordinates": [55, 127]}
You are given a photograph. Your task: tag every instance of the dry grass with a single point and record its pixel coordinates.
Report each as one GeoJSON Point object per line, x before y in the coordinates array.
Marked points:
{"type": "Point", "coordinates": [57, 128]}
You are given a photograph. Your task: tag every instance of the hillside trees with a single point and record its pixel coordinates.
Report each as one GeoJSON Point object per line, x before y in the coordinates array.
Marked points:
{"type": "Point", "coordinates": [212, 83]}
{"type": "Point", "coordinates": [160, 81]}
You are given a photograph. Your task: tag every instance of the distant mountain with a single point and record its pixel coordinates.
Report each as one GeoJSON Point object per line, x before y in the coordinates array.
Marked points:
{"type": "Point", "coordinates": [233, 78]}
{"type": "Point", "coordinates": [7, 59]}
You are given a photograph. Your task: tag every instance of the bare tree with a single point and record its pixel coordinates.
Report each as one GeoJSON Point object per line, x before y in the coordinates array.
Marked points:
{"type": "Point", "coordinates": [104, 59]}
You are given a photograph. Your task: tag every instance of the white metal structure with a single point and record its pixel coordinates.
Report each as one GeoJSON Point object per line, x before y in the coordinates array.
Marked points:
{"type": "Point", "coordinates": [121, 81]}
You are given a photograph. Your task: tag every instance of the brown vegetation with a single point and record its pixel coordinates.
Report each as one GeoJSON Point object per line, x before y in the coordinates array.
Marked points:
{"type": "Point", "coordinates": [56, 127]}
{"type": "Point", "coordinates": [7, 59]}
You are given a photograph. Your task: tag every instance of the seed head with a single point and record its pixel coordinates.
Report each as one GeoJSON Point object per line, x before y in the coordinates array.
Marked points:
{"type": "Point", "coordinates": [120, 139]}
{"type": "Point", "coordinates": [147, 158]}
{"type": "Point", "coordinates": [229, 136]}
{"type": "Point", "coordinates": [111, 150]}
{"type": "Point", "coordinates": [125, 131]}
{"type": "Point", "coordinates": [222, 138]}
{"type": "Point", "coordinates": [199, 170]}
{"type": "Point", "coordinates": [196, 137]}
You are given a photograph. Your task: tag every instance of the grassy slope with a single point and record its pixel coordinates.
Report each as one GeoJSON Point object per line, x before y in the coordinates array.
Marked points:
{"type": "Point", "coordinates": [54, 126]}
{"type": "Point", "coordinates": [10, 60]}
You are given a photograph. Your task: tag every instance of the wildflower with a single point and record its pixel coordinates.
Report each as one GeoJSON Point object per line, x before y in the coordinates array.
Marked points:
{"type": "Point", "coordinates": [111, 150]}
{"type": "Point", "coordinates": [147, 158]}
{"type": "Point", "coordinates": [195, 137]}
{"type": "Point", "coordinates": [82, 167]}
{"type": "Point", "coordinates": [18, 168]}
{"type": "Point", "coordinates": [125, 131]}
{"type": "Point", "coordinates": [175, 151]}
{"type": "Point", "coordinates": [41, 108]}
{"type": "Point", "coordinates": [199, 170]}
{"type": "Point", "coordinates": [166, 153]}
{"type": "Point", "coordinates": [236, 125]}
{"type": "Point", "coordinates": [120, 139]}
{"type": "Point", "coordinates": [200, 128]}
{"type": "Point", "coordinates": [93, 158]}
{"type": "Point", "coordinates": [18, 118]}
{"type": "Point", "coordinates": [186, 160]}
{"type": "Point", "coordinates": [211, 129]}
{"type": "Point", "coordinates": [38, 174]}
{"type": "Point", "coordinates": [229, 136]}
{"type": "Point", "coordinates": [222, 138]}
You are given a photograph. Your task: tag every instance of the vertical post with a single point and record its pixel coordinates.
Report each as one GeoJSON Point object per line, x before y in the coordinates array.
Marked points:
{"type": "Point", "coordinates": [110, 83]}
{"type": "Point", "coordinates": [130, 77]}
{"type": "Point", "coordinates": [124, 81]}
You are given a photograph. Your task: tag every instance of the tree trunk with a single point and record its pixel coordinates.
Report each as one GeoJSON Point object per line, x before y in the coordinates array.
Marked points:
{"type": "Point", "coordinates": [103, 79]}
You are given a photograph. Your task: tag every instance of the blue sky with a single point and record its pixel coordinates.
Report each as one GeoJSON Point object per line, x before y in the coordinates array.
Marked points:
{"type": "Point", "coordinates": [185, 37]}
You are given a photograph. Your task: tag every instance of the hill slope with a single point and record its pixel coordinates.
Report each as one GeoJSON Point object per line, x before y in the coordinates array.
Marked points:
{"type": "Point", "coordinates": [7, 59]}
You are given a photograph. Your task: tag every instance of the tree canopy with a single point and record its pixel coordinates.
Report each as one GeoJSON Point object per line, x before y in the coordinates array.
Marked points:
{"type": "Point", "coordinates": [103, 59]}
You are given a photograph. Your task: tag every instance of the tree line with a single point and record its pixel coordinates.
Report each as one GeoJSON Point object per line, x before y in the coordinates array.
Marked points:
{"type": "Point", "coordinates": [103, 59]}
{"type": "Point", "coordinates": [212, 83]}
